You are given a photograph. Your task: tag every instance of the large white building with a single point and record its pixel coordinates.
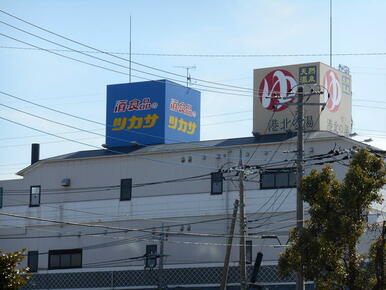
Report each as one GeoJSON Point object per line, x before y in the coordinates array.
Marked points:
{"type": "Point", "coordinates": [102, 219]}
{"type": "Point", "coordinates": [88, 218]}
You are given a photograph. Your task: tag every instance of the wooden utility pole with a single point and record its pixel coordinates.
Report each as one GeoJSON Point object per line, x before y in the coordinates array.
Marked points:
{"type": "Point", "coordinates": [229, 246]}
{"type": "Point", "coordinates": [242, 172]}
{"type": "Point", "coordinates": [243, 272]}
{"type": "Point", "coordinates": [161, 260]}
{"type": "Point", "coordinates": [299, 166]}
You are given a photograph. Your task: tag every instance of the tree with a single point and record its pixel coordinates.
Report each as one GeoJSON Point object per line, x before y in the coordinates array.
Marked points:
{"type": "Point", "coordinates": [325, 250]}
{"type": "Point", "coordinates": [377, 260]}
{"type": "Point", "coordinates": [11, 275]}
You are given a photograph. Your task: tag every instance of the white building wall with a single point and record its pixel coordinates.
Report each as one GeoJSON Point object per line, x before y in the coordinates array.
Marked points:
{"type": "Point", "coordinates": [152, 206]}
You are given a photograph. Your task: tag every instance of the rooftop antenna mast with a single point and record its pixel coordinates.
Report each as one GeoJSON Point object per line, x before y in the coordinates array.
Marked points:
{"type": "Point", "coordinates": [331, 33]}
{"type": "Point", "coordinates": [188, 77]}
{"type": "Point", "coordinates": [130, 53]}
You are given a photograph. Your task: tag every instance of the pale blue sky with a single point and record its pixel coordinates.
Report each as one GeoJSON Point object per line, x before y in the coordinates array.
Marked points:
{"type": "Point", "coordinates": [181, 27]}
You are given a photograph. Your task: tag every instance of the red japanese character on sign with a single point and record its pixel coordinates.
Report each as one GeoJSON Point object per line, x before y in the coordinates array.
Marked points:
{"type": "Point", "coordinates": [173, 105]}
{"type": "Point", "coordinates": [120, 106]}
{"type": "Point", "coordinates": [333, 95]}
{"type": "Point", "coordinates": [182, 108]}
{"type": "Point", "coordinates": [145, 105]}
{"type": "Point", "coordinates": [276, 89]}
{"type": "Point", "coordinates": [189, 111]}
{"type": "Point", "coordinates": [134, 105]}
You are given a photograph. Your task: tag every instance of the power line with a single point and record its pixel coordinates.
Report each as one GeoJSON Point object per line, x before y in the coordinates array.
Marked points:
{"type": "Point", "coordinates": [247, 55]}
{"type": "Point", "coordinates": [114, 232]}
{"type": "Point", "coordinates": [89, 120]}
{"type": "Point", "coordinates": [113, 151]}
{"type": "Point", "coordinates": [112, 70]}
{"type": "Point", "coordinates": [152, 231]}
{"type": "Point", "coordinates": [104, 52]}
{"type": "Point", "coordinates": [93, 188]}
{"type": "Point", "coordinates": [104, 60]}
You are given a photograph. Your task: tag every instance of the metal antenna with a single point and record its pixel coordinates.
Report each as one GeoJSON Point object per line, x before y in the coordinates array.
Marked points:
{"type": "Point", "coordinates": [331, 33]}
{"type": "Point", "coordinates": [130, 53]}
{"type": "Point", "coordinates": [188, 78]}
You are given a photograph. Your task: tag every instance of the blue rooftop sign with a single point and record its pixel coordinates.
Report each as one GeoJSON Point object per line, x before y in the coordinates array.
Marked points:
{"type": "Point", "coordinates": [152, 112]}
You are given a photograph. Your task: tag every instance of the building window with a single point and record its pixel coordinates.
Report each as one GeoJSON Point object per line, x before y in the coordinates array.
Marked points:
{"type": "Point", "coordinates": [64, 259]}
{"type": "Point", "coordinates": [1, 197]}
{"type": "Point", "coordinates": [34, 195]}
{"type": "Point", "coordinates": [216, 182]}
{"type": "Point", "coordinates": [278, 178]}
{"type": "Point", "coordinates": [33, 260]}
{"type": "Point", "coordinates": [126, 187]}
{"type": "Point", "coordinates": [151, 256]}
{"type": "Point", "coordinates": [248, 252]}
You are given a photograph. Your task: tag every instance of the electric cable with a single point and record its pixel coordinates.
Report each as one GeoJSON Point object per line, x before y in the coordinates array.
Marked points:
{"type": "Point", "coordinates": [35, 227]}
{"type": "Point", "coordinates": [86, 119]}
{"type": "Point", "coordinates": [114, 70]}
{"type": "Point", "coordinates": [250, 55]}
{"type": "Point", "coordinates": [107, 61]}
{"type": "Point", "coordinates": [106, 53]}
{"type": "Point", "coordinates": [204, 235]}
{"type": "Point", "coordinates": [110, 150]}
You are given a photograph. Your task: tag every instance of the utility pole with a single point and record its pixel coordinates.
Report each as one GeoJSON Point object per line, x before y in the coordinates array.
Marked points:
{"type": "Point", "coordinates": [299, 167]}
{"type": "Point", "coordinates": [243, 272]}
{"type": "Point", "coordinates": [241, 171]}
{"type": "Point", "coordinates": [229, 246]}
{"type": "Point", "coordinates": [299, 163]}
{"type": "Point", "coordinates": [161, 260]}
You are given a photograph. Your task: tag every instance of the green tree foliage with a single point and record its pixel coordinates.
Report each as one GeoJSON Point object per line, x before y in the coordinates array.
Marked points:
{"type": "Point", "coordinates": [377, 261]}
{"type": "Point", "coordinates": [11, 275]}
{"type": "Point", "coordinates": [327, 246]}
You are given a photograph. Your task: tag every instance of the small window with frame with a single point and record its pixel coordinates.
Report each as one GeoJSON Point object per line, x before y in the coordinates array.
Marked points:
{"type": "Point", "coordinates": [33, 261]}
{"type": "Point", "coordinates": [64, 259]}
{"type": "Point", "coordinates": [126, 189]}
{"type": "Point", "coordinates": [34, 197]}
{"type": "Point", "coordinates": [216, 183]}
{"type": "Point", "coordinates": [1, 197]}
{"type": "Point", "coordinates": [278, 178]}
{"type": "Point", "coordinates": [151, 256]}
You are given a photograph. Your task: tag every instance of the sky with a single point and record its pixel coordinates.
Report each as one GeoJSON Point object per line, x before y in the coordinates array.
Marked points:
{"type": "Point", "coordinates": [214, 36]}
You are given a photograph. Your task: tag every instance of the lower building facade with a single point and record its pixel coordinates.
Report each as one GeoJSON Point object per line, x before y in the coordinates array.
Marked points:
{"type": "Point", "coordinates": [159, 216]}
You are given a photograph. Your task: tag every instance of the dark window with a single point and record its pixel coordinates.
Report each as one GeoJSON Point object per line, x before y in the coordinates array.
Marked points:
{"type": "Point", "coordinates": [151, 256]}
{"type": "Point", "coordinates": [126, 186]}
{"type": "Point", "coordinates": [1, 197]}
{"type": "Point", "coordinates": [64, 259]}
{"type": "Point", "coordinates": [278, 178]}
{"type": "Point", "coordinates": [34, 195]}
{"type": "Point", "coordinates": [33, 260]}
{"type": "Point", "coordinates": [216, 183]}
{"type": "Point", "coordinates": [248, 252]}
